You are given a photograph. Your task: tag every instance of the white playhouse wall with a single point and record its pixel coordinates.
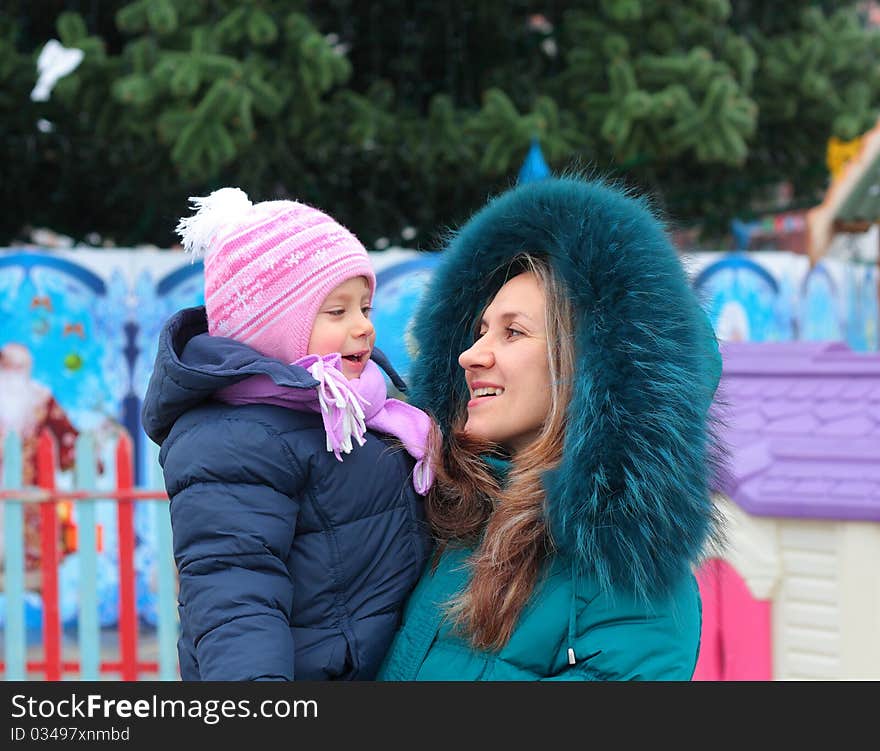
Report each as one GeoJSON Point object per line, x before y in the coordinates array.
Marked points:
{"type": "Point", "coordinates": [821, 577]}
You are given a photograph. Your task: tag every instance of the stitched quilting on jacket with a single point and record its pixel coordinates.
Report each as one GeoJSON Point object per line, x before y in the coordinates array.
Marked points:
{"type": "Point", "coordinates": [292, 565]}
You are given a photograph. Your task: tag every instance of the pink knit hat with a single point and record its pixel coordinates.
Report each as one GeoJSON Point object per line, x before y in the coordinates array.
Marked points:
{"type": "Point", "coordinates": [268, 268]}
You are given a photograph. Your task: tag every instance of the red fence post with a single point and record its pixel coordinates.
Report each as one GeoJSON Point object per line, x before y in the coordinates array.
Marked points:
{"type": "Point", "coordinates": [46, 453]}
{"type": "Point", "coordinates": [128, 626]}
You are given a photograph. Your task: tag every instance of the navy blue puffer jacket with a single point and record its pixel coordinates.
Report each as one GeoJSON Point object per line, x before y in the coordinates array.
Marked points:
{"type": "Point", "coordinates": [291, 564]}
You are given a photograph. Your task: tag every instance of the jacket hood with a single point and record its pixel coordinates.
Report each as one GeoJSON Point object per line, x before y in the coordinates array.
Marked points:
{"type": "Point", "coordinates": [191, 366]}
{"type": "Point", "coordinates": [630, 501]}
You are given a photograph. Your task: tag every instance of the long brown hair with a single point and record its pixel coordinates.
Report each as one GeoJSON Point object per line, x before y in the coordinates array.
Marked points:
{"type": "Point", "coordinates": [506, 521]}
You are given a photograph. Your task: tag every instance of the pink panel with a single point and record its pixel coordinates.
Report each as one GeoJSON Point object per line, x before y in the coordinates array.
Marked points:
{"type": "Point", "coordinates": [709, 661]}
{"type": "Point", "coordinates": [745, 629]}
{"type": "Point", "coordinates": [736, 636]}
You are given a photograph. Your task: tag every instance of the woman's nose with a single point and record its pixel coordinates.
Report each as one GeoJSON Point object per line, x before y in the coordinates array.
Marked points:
{"type": "Point", "coordinates": [477, 356]}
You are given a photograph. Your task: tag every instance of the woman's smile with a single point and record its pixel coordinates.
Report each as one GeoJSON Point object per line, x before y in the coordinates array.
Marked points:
{"type": "Point", "coordinates": [482, 393]}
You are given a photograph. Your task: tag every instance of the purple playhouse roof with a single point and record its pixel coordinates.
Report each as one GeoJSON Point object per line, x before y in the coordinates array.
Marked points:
{"type": "Point", "coordinates": [803, 428]}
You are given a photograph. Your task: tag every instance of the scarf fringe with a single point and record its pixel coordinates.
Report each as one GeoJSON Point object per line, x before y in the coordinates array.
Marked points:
{"type": "Point", "coordinates": [341, 409]}
{"type": "Point", "coordinates": [346, 411]}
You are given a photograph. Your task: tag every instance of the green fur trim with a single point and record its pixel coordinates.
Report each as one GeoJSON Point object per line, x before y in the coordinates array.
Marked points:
{"type": "Point", "coordinates": [630, 500]}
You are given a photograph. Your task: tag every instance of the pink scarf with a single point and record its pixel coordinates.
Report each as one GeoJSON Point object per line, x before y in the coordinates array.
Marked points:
{"type": "Point", "coordinates": [347, 408]}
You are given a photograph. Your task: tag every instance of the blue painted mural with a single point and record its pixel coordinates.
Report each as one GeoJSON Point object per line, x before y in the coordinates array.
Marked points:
{"type": "Point", "coordinates": [91, 319]}
{"type": "Point", "coordinates": [777, 297]}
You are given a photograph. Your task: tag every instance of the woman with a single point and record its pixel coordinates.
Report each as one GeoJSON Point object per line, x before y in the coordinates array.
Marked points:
{"type": "Point", "coordinates": [570, 369]}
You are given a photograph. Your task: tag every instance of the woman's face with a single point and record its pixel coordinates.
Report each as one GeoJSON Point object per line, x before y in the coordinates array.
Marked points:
{"type": "Point", "coordinates": [507, 369]}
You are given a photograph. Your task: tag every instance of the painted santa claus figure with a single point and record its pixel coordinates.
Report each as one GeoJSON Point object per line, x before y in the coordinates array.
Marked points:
{"type": "Point", "coordinates": [26, 408]}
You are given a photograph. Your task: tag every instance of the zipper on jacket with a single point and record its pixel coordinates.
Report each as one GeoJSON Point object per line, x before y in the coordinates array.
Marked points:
{"type": "Point", "coordinates": [572, 611]}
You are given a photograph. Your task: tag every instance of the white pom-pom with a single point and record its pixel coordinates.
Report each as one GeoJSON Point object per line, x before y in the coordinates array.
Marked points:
{"type": "Point", "coordinates": [224, 206]}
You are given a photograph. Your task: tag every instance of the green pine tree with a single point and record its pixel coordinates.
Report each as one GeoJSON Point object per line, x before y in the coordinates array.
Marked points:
{"type": "Point", "coordinates": [398, 114]}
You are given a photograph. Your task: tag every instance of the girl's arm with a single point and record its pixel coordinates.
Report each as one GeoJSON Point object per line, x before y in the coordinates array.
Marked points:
{"type": "Point", "coordinates": [233, 529]}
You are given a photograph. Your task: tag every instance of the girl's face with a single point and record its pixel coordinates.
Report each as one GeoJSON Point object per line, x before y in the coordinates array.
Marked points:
{"type": "Point", "coordinates": [507, 369]}
{"type": "Point", "coordinates": [343, 325]}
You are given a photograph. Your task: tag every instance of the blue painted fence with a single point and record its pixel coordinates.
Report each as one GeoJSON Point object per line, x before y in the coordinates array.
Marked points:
{"type": "Point", "coordinates": [93, 661]}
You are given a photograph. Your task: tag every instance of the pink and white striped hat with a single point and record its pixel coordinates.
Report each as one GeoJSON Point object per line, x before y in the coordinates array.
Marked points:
{"type": "Point", "coordinates": [268, 267]}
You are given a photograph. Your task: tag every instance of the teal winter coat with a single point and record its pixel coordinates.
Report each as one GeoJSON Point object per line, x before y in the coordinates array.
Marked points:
{"type": "Point", "coordinates": [612, 636]}
{"type": "Point", "coordinates": [629, 507]}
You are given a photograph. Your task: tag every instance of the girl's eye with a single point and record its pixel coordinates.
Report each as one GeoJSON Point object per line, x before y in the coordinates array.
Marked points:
{"type": "Point", "coordinates": [336, 313]}
{"type": "Point", "coordinates": [366, 310]}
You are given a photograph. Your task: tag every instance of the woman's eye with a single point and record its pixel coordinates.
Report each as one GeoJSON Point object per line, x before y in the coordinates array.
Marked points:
{"type": "Point", "coordinates": [514, 332]}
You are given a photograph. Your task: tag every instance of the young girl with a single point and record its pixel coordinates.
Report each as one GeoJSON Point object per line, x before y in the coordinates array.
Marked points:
{"type": "Point", "coordinates": [294, 482]}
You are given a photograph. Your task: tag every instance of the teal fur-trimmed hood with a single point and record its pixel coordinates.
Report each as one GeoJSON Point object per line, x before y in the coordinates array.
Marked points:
{"type": "Point", "coordinates": [630, 501]}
